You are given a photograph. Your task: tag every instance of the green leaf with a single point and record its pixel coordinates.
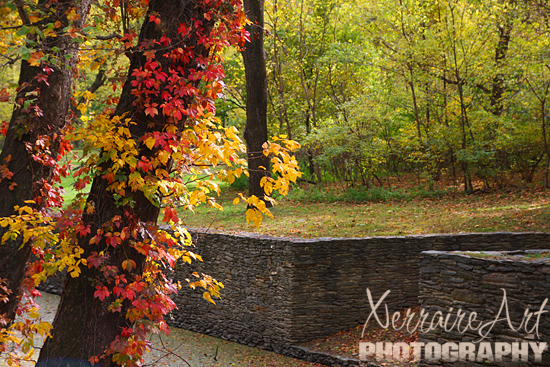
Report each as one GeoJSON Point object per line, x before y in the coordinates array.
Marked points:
{"type": "Point", "coordinates": [25, 53]}
{"type": "Point", "coordinates": [23, 31]}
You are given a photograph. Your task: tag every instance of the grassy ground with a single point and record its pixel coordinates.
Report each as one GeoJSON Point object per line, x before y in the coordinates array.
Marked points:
{"type": "Point", "coordinates": [330, 211]}
{"type": "Point", "coordinates": [448, 213]}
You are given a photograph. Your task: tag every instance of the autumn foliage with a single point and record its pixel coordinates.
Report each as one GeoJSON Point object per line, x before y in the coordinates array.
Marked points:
{"type": "Point", "coordinates": [157, 152]}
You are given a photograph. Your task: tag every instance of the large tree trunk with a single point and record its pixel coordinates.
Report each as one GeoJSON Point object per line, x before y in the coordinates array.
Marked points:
{"type": "Point", "coordinates": [255, 132]}
{"type": "Point", "coordinates": [84, 326]}
{"type": "Point", "coordinates": [28, 129]}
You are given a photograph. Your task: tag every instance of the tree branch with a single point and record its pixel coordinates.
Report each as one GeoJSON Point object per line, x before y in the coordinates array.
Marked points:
{"type": "Point", "coordinates": [108, 37]}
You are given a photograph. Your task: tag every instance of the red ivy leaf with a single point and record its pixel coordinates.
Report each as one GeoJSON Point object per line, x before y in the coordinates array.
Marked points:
{"type": "Point", "coordinates": [101, 293]}
{"type": "Point", "coordinates": [95, 260]}
{"type": "Point", "coordinates": [154, 19]}
{"type": "Point", "coordinates": [152, 110]}
{"type": "Point", "coordinates": [170, 214]}
{"type": "Point", "coordinates": [4, 95]}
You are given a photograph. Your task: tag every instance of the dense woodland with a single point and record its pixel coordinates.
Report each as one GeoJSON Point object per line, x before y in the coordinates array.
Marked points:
{"type": "Point", "coordinates": [454, 89]}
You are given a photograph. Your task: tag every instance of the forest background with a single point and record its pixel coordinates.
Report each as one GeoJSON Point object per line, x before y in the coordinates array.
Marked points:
{"type": "Point", "coordinates": [379, 89]}
{"type": "Point", "coordinates": [404, 109]}
{"type": "Point", "coordinates": [376, 90]}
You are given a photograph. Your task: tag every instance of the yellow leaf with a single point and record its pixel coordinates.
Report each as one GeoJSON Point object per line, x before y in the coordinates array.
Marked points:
{"type": "Point", "coordinates": [72, 15]}
{"type": "Point", "coordinates": [81, 107]}
{"type": "Point", "coordinates": [95, 66]}
{"type": "Point", "coordinates": [163, 156]}
{"type": "Point", "coordinates": [207, 297]}
{"type": "Point", "coordinates": [90, 209]}
{"type": "Point", "coordinates": [25, 209]}
{"type": "Point", "coordinates": [27, 235]}
{"type": "Point", "coordinates": [44, 328]}
{"type": "Point", "coordinates": [14, 338]}
{"type": "Point", "coordinates": [150, 142]}
{"type": "Point", "coordinates": [28, 356]}
{"type": "Point", "coordinates": [33, 314]}
{"type": "Point", "coordinates": [236, 201]}
{"type": "Point", "coordinates": [254, 216]}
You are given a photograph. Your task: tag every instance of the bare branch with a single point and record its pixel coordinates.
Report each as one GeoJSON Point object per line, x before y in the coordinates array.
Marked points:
{"type": "Point", "coordinates": [109, 37]}
{"type": "Point", "coordinates": [11, 60]}
{"type": "Point", "coordinates": [12, 27]}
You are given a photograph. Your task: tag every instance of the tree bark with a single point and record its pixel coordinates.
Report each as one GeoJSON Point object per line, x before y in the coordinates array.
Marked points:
{"type": "Point", "coordinates": [84, 326]}
{"type": "Point", "coordinates": [29, 127]}
{"type": "Point", "coordinates": [255, 131]}
{"type": "Point", "coordinates": [498, 89]}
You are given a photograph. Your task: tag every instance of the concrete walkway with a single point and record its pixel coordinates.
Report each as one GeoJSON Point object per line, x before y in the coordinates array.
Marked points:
{"type": "Point", "coordinates": [184, 348]}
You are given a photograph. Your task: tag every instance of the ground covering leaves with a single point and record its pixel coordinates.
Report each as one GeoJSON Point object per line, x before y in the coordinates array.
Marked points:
{"type": "Point", "coordinates": [346, 343]}
{"type": "Point", "coordinates": [454, 212]}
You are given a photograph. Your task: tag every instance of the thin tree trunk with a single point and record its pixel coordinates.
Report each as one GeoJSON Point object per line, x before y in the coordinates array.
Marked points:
{"type": "Point", "coordinates": [415, 106]}
{"type": "Point", "coordinates": [255, 132]}
{"type": "Point", "coordinates": [542, 98]}
{"type": "Point", "coordinates": [497, 93]}
{"type": "Point", "coordinates": [30, 127]}
{"type": "Point", "coordinates": [279, 80]}
{"type": "Point", "coordinates": [545, 139]}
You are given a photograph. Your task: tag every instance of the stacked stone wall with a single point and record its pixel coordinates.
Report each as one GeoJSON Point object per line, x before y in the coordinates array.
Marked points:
{"type": "Point", "coordinates": [282, 291]}
{"type": "Point", "coordinates": [492, 285]}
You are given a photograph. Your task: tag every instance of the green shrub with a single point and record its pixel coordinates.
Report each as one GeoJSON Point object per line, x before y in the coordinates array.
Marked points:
{"type": "Point", "coordinates": [360, 195]}
{"type": "Point", "coordinates": [241, 183]}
